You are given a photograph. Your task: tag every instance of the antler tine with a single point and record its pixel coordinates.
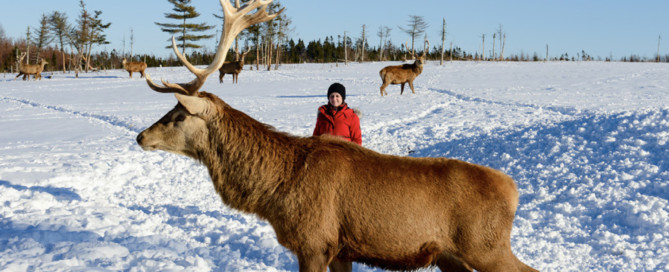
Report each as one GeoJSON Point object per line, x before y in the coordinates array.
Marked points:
{"type": "Point", "coordinates": [236, 20]}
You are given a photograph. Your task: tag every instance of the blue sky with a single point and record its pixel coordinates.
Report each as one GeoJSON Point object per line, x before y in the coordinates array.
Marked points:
{"type": "Point", "coordinates": [601, 28]}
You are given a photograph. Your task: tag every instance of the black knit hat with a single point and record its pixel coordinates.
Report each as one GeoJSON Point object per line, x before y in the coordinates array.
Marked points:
{"type": "Point", "coordinates": [337, 88]}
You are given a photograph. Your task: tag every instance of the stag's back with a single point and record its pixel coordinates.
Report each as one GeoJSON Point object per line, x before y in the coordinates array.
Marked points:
{"type": "Point", "coordinates": [420, 202]}
{"type": "Point", "coordinates": [134, 66]}
{"type": "Point", "coordinates": [32, 68]}
{"type": "Point", "coordinates": [398, 74]}
{"type": "Point", "coordinates": [232, 67]}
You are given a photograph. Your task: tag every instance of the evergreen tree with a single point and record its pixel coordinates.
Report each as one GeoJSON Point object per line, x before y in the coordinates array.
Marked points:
{"type": "Point", "coordinates": [80, 35]}
{"type": "Point", "coordinates": [59, 26]}
{"type": "Point", "coordinates": [41, 36]}
{"type": "Point", "coordinates": [96, 35]}
{"type": "Point", "coordinates": [183, 11]}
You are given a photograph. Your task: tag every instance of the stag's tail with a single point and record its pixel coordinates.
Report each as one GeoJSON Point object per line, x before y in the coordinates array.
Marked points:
{"type": "Point", "coordinates": [382, 73]}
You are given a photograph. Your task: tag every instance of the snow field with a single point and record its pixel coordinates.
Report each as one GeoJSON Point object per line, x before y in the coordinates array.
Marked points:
{"type": "Point", "coordinates": [586, 143]}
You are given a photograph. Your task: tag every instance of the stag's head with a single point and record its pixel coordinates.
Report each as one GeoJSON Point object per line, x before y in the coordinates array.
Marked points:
{"type": "Point", "coordinates": [421, 59]}
{"type": "Point", "coordinates": [241, 58]}
{"type": "Point", "coordinates": [183, 130]}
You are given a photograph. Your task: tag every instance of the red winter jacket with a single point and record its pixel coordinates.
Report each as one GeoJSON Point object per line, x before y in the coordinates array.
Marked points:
{"type": "Point", "coordinates": [341, 122]}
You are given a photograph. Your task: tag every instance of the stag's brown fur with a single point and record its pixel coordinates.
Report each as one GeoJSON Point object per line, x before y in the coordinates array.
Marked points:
{"type": "Point", "coordinates": [401, 74]}
{"type": "Point", "coordinates": [134, 66]}
{"type": "Point", "coordinates": [31, 69]}
{"type": "Point", "coordinates": [232, 67]}
{"type": "Point", "coordinates": [332, 202]}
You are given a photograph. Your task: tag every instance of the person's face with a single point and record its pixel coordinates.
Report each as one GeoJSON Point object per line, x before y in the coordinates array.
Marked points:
{"type": "Point", "coordinates": [335, 99]}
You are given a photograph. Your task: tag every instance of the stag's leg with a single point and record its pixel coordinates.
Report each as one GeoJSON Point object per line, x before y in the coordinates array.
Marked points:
{"type": "Point", "coordinates": [383, 88]}
{"type": "Point", "coordinates": [234, 78]}
{"type": "Point", "coordinates": [447, 263]}
{"type": "Point", "coordinates": [130, 74]}
{"type": "Point", "coordinates": [17, 76]}
{"type": "Point", "coordinates": [411, 85]}
{"type": "Point", "coordinates": [501, 261]}
{"type": "Point", "coordinates": [141, 74]}
{"type": "Point", "coordinates": [339, 266]}
{"type": "Point", "coordinates": [313, 263]}
{"type": "Point", "coordinates": [402, 88]}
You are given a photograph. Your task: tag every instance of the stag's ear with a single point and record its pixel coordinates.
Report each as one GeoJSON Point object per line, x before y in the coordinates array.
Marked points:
{"type": "Point", "coordinates": [195, 105]}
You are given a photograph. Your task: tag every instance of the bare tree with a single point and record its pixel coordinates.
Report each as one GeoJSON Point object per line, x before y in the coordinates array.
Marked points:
{"type": "Point", "coordinates": [502, 42]}
{"type": "Point", "coordinates": [363, 43]}
{"type": "Point", "coordinates": [416, 27]}
{"type": "Point", "coordinates": [494, 36]}
{"type": "Point", "coordinates": [388, 43]}
{"type": "Point", "coordinates": [270, 32]}
{"type": "Point", "coordinates": [381, 35]}
{"type": "Point", "coordinates": [282, 35]}
{"type": "Point", "coordinates": [443, 40]}
{"type": "Point", "coordinates": [483, 50]}
{"type": "Point", "coordinates": [450, 52]}
{"type": "Point", "coordinates": [658, 48]}
{"type": "Point", "coordinates": [345, 49]}
{"type": "Point", "coordinates": [132, 43]}
{"type": "Point", "coordinates": [28, 39]}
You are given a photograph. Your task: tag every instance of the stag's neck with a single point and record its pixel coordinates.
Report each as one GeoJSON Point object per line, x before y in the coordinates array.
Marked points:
{"type": "Point", "coordinates": [248, 162]}
{"type": "Point", "coordinates": [417, 68]}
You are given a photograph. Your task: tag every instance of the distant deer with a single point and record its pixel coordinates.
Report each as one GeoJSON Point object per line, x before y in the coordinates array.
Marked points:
{"type": "Point", "coordinates": [232, 67]}
{"type": "Point", "coordinates": [31, 69]}
{"type": "Point", "coordinates": [332, 202]}
{"type": "Point", "coordinates": [402, 74]}
{"type": "Point", "coordinates": [134, 66]}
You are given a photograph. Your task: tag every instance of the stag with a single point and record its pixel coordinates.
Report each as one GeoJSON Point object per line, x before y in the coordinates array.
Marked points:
{"type": "Point", "coordinates": [388, 211]}
{"type": "Point", "coordinates": [232, 67]}
{"type": "Point", "coordinates": [402, 74]}
{"type": "Point", "coordinates": [134, 66]}
{"type": "Point", "coordinates": [30, 69]}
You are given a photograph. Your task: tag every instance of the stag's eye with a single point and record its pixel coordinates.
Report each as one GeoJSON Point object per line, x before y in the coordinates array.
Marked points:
{"type": "Point", "coordinates": [180, 118]}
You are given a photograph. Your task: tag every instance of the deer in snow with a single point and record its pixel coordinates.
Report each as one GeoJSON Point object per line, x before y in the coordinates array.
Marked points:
{"type": "Point", "coordinates": [402, 74]}
{"type": "Point", "coordinates": [30, 69]}
{"type": "Point", "coordinates": [134, 66]}
{"type": "Point", "coordinates": [392, 212]}
{"type": "Point", "coordinates": [232, 67]}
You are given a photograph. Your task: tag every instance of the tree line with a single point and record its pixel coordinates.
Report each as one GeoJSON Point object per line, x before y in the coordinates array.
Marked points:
{"type": "Point", "coordinates": [70, 47]}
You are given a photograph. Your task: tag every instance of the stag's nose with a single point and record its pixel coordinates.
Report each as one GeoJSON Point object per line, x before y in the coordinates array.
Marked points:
{"type": "Point", "coordinates": [139, 138]}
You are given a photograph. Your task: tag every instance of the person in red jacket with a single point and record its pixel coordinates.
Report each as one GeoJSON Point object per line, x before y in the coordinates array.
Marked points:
{"type": "Point", "coordinates": [336, 118]}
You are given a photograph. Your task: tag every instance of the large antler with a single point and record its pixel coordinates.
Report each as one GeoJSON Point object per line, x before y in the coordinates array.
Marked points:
{"type": "Point", "coordinates": [236, 20]}
{"type": "Point", "coordinates": [427, 47]}
{"type": "Point", "coordinates": [23, 56]}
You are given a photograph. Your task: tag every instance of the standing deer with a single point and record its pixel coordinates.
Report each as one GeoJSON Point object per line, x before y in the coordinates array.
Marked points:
{"type": "Point", "coordinates": [134, 66]}
{"type": "Point", "coordinates": [30, 69]}
{"type": "Point", "coordinates": [232, 67]}
{"type": "Point", "coordinates": [402, 74]}
{"type": "Point", "coordinates": [388, 211]}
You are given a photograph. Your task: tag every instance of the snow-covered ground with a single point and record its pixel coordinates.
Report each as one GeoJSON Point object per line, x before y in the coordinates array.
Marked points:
{"type": "Point", "coordinates": [586, 142]}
